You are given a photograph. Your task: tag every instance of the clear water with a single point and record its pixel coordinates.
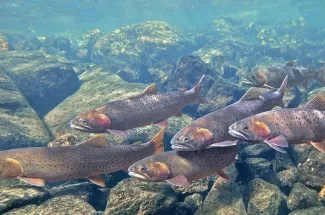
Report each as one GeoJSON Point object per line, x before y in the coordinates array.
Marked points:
{"type": "Point", "coordinates": [61, 58]}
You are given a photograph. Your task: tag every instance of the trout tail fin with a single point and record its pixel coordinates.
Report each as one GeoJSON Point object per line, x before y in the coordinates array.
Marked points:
{"type": "Point", "coordinates": [196, 90]}
{"type": "Point", "coordinates": [282, 90]}
{"type": "Point", "coordinates": [158, 141]}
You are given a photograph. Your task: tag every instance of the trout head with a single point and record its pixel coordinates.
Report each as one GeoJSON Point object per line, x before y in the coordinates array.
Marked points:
{"type": "Point", "coordinates": [149, 171]}
{"type": "Point", "coordinates": [250, 130]}
{"type": "Point", "coordinates": [256, 78]}
{"type": "Point", "coordinates": [91, 121]}
{"type": "Point", "coordinates": [192, 138]}
{"type": "Point", "coordinates": [10, 168]}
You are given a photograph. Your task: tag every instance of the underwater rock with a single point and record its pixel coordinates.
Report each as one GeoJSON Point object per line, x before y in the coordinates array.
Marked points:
{"type": "Point", "coordinates": [149, 44]}
{"type": "Point", "coordinates": [312, 171]}
{"type": "Point", "coordinates": [265, 198]}
{"type": "Point", "coordinates": [64, 140]}
{"type": "Point", "coordinates": [99, 87]}
{"type": "Point", "coordinates": [4, 45]}
{"type": "Point", "coordinates": [299, 153]}
{"type": "Point", "coordinates": [20, 42]}
{"type": "Point", "coordinates": [302, 197]}
{"type": "Point", "coordinates": [283, 161]}
{"type": "Point", "coordinates": [193, 202]}
{"type": "Point", "coordinates": [19, 196]}
{"type": "Point", "coordinates": [200, 186]}
{"type": "Point", "coordinates": [69, 205]}
{"type": "Point", "coordinates": [225, 197]}
{"type": "Point", "coordinates": [287, 178]}
{"type": "Point", "coordinates": [309, 211]}
{"type": "Point", "coordinates": [19, 124]}
{"type": "Point", "coordinates": [256, 151]}
{"type": "Point", "coordinates": [131, 196]}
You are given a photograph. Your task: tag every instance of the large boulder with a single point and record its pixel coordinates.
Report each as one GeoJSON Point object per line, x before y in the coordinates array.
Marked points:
{"type": "Point", "coordinates": [19, 124]}
{"type": "Point", "coordinates": [265, 198]}
{"type": "Point", "coordinates": [312, 171]}
{"type": "Point", "coordinates": [309, 211]}
{"type": "Point", "coordinates": [44, 81]}
{"type": "Point", "coordinates": [141, 46]}
{"type": "Point", "coordinates": [132, 197]}
{"type": "Point", "coordinates": [99, 87]}
{"type": "Point", "coordinates": [68, 204]}
{"type": "Point", "coordinates": [302, 197]}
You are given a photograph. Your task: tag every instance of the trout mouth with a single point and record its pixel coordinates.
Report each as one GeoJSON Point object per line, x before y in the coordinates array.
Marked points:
{"type": "Point", "coordinates": [238, 134]}
{"type": "Point", "coordinates": [138, 176]}
{"type": "Point", "coordinates": [80, 127]}
{"type": "Point", "coordinates": [248, 82]}
{"type": "Point", "coordinates": [183, 147]}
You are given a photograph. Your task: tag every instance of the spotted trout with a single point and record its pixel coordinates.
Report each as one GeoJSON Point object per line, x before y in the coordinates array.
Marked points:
{"type": "Point", "coordinates": [278, 128]}
{"type": "Point", "coordinates": [150, 107]}
{"type": "Point", "coordinates": [90, 159]}
{"type": "Point", "coordinates": [211, 130]}
{"type": "Point", "coordinates": [179, 168]}
{"type": "Point", "coordinates": [271, 77]}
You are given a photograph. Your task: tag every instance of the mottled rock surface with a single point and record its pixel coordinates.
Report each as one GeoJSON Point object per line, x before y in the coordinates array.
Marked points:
{"type": "Point", "coordinates": [265, 198]}
{"type": "Point", "coordinates": [131, 196]}
{"type": "Point", "coordinates": [302, 197]}
{"type": "Point", "coordinates": [19, 124]}
{"type": "Point", "coordinates": [309, 211]}
{"type": "Point", "coordinates": [69, 205]}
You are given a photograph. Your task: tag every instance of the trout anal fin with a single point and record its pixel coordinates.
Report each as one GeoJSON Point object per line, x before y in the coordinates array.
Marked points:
{"type": "Point", "coordinates": [180, 181]}
{"type": "Point", "coordinates": [222, 174]}
{"type": "Point", "coordinates": [320, 146]}
{"type": "Point", "coordinates": [97, 179]}
{"type": "Point", "coordinates": [39, 182]}
{"type": "Point", "coordinates": [162, 123]}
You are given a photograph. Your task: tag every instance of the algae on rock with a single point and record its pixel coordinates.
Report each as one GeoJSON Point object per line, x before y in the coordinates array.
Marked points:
{"type": "Point", "coordinates": [19, 124]}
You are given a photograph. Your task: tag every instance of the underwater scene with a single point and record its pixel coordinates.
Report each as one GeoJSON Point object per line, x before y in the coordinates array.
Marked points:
{"type": "Point", "coordinates": [142, 107]}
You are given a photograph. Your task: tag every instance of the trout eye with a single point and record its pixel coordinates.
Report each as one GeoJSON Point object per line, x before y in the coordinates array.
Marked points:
{"type": "Point", "coordinates": [246, 127]}
{"type": "Point", "coordinates": [143, 168]}
{"type": "Point", "coordinates": [85, 121]}
{"type": "Point", "coordinates": [186, 139]}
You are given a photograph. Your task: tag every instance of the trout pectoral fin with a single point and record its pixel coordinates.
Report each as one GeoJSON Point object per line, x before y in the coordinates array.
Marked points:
{"type": "Point", "coordinates": [224, 144]}
{"type": "Point", "coordinates": [222, 174]}
{"type": "Point", "coordinates": [11, 168]}
{"type": "Point", "coordinates": [118, 132]}
{"type": "Point", "coordinates": [97, 179]}
{"type": "Point", "coordinates": [180, 181]}
{"type": "Point", "coordinates": [276, 142]}
{"type": "Point", "coordinates": [318, 145]}
{"type": "Point", "coordinates": [34, 181]}
{"type": "Point", "coordinates": [163, 123]}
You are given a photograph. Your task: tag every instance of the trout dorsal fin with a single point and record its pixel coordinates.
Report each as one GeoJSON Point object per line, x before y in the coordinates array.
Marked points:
{"type": "Point", "coordinates": [158, 141]}
{"type": "Point", "coordinates": [290, 63]}
{"type": "Point", "coordinates": [97, 141]}
{"type": "Point", "coordinates": [253, 93]}
{"type": "Point", "coordinates": [151, 89]}
{"type": "Point", "coordinates": [317, 103]}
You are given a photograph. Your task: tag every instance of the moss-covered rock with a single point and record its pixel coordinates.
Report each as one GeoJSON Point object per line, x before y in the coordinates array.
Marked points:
{"type": "Point", "coordinates": [287, 178]}
{"type": "Point", "coordinates": [265, 198]}
{"type": "Point", "coordinates": [309, 211]}
{"type": "Point", "coordinates": [19, 124]}
{"type": "Point", "coordinates": [302, 197]}
{"type": "Point", "coordinates": [149, 44]}
{"type": "Point", "coordinates": [69, 205]}
{"type": "Point", "coordinates": [99, 87]}
{"type": "Point", "coordinates": [225, 197]}
{"type": "Point", "coordinates": [312, 171]}
{"type": "Point", "coordinates": [131, 196]}
{"type": "Point", "coordinates": [19, 196]}
{"type": "Point", "coordinates": [44, 81]}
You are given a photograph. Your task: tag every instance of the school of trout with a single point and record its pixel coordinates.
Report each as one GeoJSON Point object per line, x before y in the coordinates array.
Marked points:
{"type": "Point", "coordinates": [202, 148]}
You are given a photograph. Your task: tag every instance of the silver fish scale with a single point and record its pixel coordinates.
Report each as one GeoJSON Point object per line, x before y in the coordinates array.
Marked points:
{"type": "Point", "coordinates": [146, 109]}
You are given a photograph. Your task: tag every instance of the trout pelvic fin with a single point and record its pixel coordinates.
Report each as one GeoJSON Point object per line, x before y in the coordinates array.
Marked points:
{"type": "Point", "coordinates": [151, 89]}
{"type": "Point", "coordinates": [97, 141]}
{"type": "Point", "coordinates": [97, 179]}
{"type": "Point", "coordinates": [34, 181]}
{"type": "Point", "coordinates": [158, 141]}
{"type": "Point", "coordinates": [320, 146]}
{"type": "Point", "coordinates": [222, 174]}
{"type": "Point", "coordinates": [180, 181]}
{"type": "Point", "coordinates": [317, 103]}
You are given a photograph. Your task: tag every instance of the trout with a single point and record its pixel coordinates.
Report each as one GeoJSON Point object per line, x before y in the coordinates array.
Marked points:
{"type": "Point", "coordinates": [90, 159]}
{"type": "Point", "coordinates": [211, 130]}
{"type": "Point", "coordinates": [271, 77]}
{"type": "Point", "coordinates": [278, 128]}
{"type": "Point", "coordinates": [150, 107]}
{"type": "Point", "coordinates": [179, 168]}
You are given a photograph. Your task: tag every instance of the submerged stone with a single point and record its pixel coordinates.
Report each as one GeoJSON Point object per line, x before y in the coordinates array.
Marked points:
{"type": "Point", "coordinates": [309, 211]}
{"type": "Point", "coordinates": [19, 124]}
{"type": "Point", "coordinates": [302, 197]}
